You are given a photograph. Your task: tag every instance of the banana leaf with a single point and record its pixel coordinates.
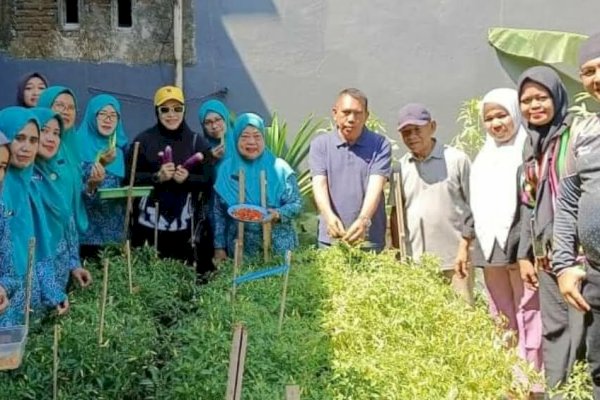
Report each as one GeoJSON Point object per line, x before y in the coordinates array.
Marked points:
{"type": "Point", "coordinates": [559, 49]}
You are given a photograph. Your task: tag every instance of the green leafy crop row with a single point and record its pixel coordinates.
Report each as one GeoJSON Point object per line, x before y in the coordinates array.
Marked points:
{"type": "Point", "coordinates": [357, 326]}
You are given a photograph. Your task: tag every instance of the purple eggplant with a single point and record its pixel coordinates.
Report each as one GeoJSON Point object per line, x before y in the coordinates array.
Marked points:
{"type": "Point", "coordinates": [161, 157]}
{"type": "Point", "coordinates": [168, 156]}
{"type": "Point", "coordinates": [193, 160]}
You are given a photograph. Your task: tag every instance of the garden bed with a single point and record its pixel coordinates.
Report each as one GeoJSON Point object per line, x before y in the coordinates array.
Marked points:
{"type": "Point", "coordinates": [356, 326]}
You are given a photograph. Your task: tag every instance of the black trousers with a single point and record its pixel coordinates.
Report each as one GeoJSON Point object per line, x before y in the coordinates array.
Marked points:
{"type": "Point", "coordinates": [178, 246]}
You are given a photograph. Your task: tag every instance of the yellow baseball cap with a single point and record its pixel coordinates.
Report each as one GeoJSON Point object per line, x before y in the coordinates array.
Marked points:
{"type": "Point", "coordinates": [167, 93]}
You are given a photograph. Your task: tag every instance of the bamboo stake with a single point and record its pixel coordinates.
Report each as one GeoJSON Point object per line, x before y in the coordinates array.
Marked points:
{"type": "Point", "coordinates": [292, 392]}
{"type": "Point", "coordinates": [55, 370]}
{"type": "Point", "coordinates": [236, 266]}
{"type": "Point", "coordinates": [156, 222]}
{"type": "Point", "coordinates": [399, 214]}
{"type": "Point", "coordinates": [136, 149]}
{"type": "Point", "coordinates": [237, 358]}
{"type": "Point", "coordinates": [422, 227]}
{"type": "Point", "coordinates": [288, 262]}
{"type": "Point", "coordinates": [29, 277]}
{"type": "Point", "coordinates": [129, 271]}
{"type": "Point", "coordinates": [266, 226]}
{"type": "Point", "coordinates": [103, 303]}
{"type": "Point", "coordinates": [192, 232]}
{"type": "Point", "coordinates": [242, 199]}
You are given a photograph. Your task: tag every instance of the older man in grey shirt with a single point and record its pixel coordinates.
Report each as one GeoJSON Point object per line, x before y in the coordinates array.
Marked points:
{"type": "Point", "coordinates": [435, 193]}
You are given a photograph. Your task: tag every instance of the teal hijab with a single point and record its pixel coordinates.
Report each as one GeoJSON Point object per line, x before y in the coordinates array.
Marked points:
{"type": "Point", "coordinates": [71, 184]}
{"type": "Point", "coordinates": [22, 197]}
{"type": "Point", "coordinates": [91, 142]}
{"type": "Point", "coordinates": [215, 106]}
{"type": "Point", "coordinates": [56, 203]}
{"type": "Point", "coordinates": [277, 170]}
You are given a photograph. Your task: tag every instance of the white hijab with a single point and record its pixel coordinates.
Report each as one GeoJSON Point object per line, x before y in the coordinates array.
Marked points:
{"type": "Point", "coordinates": [493, 181]}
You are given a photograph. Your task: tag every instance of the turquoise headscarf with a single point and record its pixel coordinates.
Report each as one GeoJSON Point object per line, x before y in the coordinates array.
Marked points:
{"type": "Point", "coordinates": [217, 107]}
{"type": "Point", "coordinates": [22, 198]}
{"type": "Point", "coordinates": [72, 183]}
{"type": "Point", "coordinates": [277, 170]}
{"type": "Point", "coordinates": [56, 202]}
{"type": "Point", "coordinates": [91, 142]}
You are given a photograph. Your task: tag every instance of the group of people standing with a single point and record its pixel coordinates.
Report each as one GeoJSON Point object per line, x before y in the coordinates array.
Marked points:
{"type": "Point", "coordinates": [525, 210]}
{"type": "Point", "coordinates": [53, 175]}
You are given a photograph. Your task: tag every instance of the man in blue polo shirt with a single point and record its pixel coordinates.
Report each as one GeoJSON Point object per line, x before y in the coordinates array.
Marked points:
{"type": "Point", "coordinates": [349, 167]}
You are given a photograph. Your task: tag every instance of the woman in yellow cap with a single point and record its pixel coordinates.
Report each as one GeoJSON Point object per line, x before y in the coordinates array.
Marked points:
{"type": "Point", "coordinates": [168, 160]}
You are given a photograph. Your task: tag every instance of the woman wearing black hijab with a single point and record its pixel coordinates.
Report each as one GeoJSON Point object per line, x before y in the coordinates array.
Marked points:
{"type": "Point", "coordinates": [29, 88]}
{"type": "Point", "coordinates": [176, 187]}
{"type": "Point", "coordinates": [544, 106]}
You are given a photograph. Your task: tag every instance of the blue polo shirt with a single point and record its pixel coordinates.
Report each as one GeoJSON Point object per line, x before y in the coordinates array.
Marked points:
{"type": "Point", "coordinates": [347, 168]}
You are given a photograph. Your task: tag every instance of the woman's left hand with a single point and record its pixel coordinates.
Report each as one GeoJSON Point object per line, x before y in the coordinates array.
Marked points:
{"type": "Point", "coordinates": [181, 174]}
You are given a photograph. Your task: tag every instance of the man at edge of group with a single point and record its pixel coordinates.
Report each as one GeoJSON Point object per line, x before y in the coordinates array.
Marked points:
{"type": "Point", "coordinates": [577, 218]}
{"type": "Point", "coordinates": [349, 167]}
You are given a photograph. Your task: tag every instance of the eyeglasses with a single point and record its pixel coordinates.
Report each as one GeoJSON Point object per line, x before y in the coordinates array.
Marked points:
{"type": "Point", "coordinates": [166, 110]}
{"type": "Point", "coordinates": [64, 107]}
{"type": "Point", "coordinates": [216, 121]}
{"type": "Point", "coordinates": [108, 116]}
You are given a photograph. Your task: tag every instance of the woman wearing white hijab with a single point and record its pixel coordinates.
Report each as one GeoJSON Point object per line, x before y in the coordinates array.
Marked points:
{"type": "Point", "coordinates": [495, 204]}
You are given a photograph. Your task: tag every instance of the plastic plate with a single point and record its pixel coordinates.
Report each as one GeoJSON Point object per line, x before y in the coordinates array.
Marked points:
{"type": "Point", "coordinates": [233, 212]}
{"type": "Point", "coordinates": [117, 193]}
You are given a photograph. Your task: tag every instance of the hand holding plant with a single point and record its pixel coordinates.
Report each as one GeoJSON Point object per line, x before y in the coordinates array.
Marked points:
{"type": "Point", "coordinates": [108, 156]}
{"type": "Point", "coordinates": [181, 174]}
{"type": "Point", "coordinates": [166, 172]}
{"type": "Point", "coordinates": [356, 232]}
{"type": "Point", "coordinates": [335, 227]}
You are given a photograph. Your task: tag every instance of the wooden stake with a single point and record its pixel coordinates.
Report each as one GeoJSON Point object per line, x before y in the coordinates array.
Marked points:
{"type": "Point", "coordinates": [29, 277]}
{"type": "Point", "coordinates": [422, 227]}
{"type": "Point", "coordinates": [192, 232]}
{"type": "Point", "coordinates": [136, 149]}
{"type": "Point", "coordinates": [55, 370]}
{"type": "Point", "coordinates": [292, 392]}
{"type": "Point", "coordinates": [267, 226]}
{"type": "Point", "coordinates": [288, 261]}
{"type": "Point", "coordinates": [237, 358]}
{"type": "Point", "coordinates": [242, 199]}
{"type": "Point", "coordinates": [103, 303]}
{"type": "Point", "coordinates": [237, 257]}
{"type": "Point", "coordinates": [399, 214]}
{"type": "Point", "coordinates": [156, 222]}
{"type": "Point", "coordinates": [129, 272]}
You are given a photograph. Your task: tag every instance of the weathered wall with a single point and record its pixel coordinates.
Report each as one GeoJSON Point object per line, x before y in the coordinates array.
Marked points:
{"type": "Point", "coordinates": [36, 32]}
{"type": "Point", "coordinates": [293, 56]}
